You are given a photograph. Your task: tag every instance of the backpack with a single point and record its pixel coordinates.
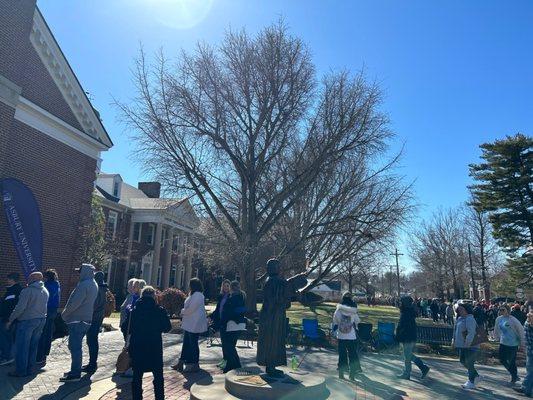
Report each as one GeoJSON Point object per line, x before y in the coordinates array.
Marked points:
{"type": "Point", "coordinates": [345, 324]}
{"type": "Point", "coordinates": [109, 304]}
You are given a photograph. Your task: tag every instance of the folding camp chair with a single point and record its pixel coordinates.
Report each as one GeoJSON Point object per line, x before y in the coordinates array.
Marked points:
{"type": "Point", "coordinates": [386, 335]}
{"type": "Point", "coordinates": [311, 331]}
{"type": "Point", "coordinates": [364, 336]}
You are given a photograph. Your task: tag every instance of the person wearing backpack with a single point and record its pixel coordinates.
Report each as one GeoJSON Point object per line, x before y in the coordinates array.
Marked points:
{"type": "Point", "coordinates": [345, 321]}
{"type": "Point", "coordinates": [406, 335]}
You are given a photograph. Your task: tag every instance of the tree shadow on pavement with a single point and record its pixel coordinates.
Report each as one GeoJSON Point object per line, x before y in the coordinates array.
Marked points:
{"type": "Point", "coordinates": [82, 387]}
{"type": "Point", "coordinates": [380, 390]}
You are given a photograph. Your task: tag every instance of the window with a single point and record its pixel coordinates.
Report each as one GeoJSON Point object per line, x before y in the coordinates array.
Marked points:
{"type": "Point", "coordinates": [175, 244]}
{"type": "Point", "coordinates": [163, 238]}
{"type": "Point", "coordinates": [112, 223]}
{"type": "Point", "coordinates": [116, 186]}
{"type": "Point", "coordinates": [172, 279]}
{"type": "Point", "coordinates": [132, 270]}
{"type": "Point", "coordinates": [159, 273]}
{"type": "Point", "coordinates": [151, 234]}
{"type": "Point", "coordinates": [137, 230]}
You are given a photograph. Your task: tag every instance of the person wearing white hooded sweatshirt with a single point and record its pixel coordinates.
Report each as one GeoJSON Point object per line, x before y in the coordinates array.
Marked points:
{"type": "Point", "coordinates": [345, 321]}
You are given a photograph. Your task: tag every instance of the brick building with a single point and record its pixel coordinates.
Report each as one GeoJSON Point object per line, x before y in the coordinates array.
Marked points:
{"type": "Point", "coordinates": [157, 239]}
{"type": "Point", "coordinates": [51, 138]}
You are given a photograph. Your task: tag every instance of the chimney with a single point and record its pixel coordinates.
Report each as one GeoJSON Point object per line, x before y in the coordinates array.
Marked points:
{"type": "Point", "coordinates": [151, 189]}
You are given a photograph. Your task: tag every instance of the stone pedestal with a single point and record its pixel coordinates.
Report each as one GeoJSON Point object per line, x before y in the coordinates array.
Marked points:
{"type": "Point", "coordinates": [254, 384]}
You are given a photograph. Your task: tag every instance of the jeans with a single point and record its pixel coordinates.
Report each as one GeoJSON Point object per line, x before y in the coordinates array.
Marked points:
{"type": "Point", "coordinates": [76, 332]}
{"type": "Point", "coordinates": [7, 338]}
{"type": "Point", "coordinates": [137, 384]}
{"type": "Point", "coordinates": [408, 349]}
{"type": "Point", "coordinates": [348, 351]}
{"type": "Point", "coordinates": [507, 355]}
{"type": "Point", "coordinates": [230, 343]}
{"type": "Point", "coordinates": [468, 357]}
{"type": "Point", "coordinates": [190, 352]}
{"type": "Point", "coordinates": [527, 384]}
{"type": "Point", "coordinates": [92, 342]}
{"type": "Point", "coordinates": [26, 343]}
{"type": "Point", "coordinates": [46, 337]}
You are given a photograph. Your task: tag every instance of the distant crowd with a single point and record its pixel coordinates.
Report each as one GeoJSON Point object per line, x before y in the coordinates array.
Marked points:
{"type": "Point", "coordinates": [511, 325]}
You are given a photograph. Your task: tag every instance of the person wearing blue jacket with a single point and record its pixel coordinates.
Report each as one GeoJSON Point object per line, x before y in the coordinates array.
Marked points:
{"type": "Point", "coordinates": [51, 283]}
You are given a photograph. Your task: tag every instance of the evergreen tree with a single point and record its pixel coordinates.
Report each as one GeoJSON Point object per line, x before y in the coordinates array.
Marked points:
{"type": "Point", "coordinates": [504, 188]}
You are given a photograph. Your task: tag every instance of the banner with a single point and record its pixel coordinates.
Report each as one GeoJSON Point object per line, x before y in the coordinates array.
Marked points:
{"type": "Point", "coordinates": [24, 221]}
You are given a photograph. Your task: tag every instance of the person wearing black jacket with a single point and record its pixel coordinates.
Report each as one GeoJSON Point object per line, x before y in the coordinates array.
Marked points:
{"type": "Point", "coordinates": [216, 316]}
{"type": "Point", "coordinates": [7, 306]}
{"type": "Point", "coordinates": [96, 324]}
{"type": "Point", "coordinates": [234, 323]}
{"type": "Point", "coordinates": [434, 308]}
{"type": "Point", "coordinates": [406, 334]}
{"type": "Point", "coordinates": [148, 322]}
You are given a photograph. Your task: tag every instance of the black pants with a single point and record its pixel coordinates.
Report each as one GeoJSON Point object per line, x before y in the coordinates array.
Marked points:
{"type": "Point", "coordinates": [190, 352]}
{"type": "Point", "coordinates": [47, 336]}
{"type": "Point", "coordinates": [507, 355]}
{"type": "Point", "coordinates": [92, 342]}
{"type": "Point", "coordinates": [348, 354]}
{"type": "Point", "coordinates": [435, 316]}
{"type": "Point", "coordinates": [229, 349]}
{"type": "Point", "coordinates": [468, 358]}
{"type": "Point", "coordinates": [137, 384]}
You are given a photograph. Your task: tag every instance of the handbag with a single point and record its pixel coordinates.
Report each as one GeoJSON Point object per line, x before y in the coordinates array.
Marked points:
{"type": "Point", "coordinates": [124, 360]}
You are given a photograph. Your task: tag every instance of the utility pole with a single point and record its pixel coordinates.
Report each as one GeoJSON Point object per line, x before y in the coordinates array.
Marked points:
{"type": "Point", "coordinates": [397, 268]}
{"type": "Point", "coordinates": [474, 291]}
{"type": "Point", "coordinates": [390, 280]}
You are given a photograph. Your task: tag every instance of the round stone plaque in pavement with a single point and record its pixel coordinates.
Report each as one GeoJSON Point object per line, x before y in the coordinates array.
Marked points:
{"type": "Point", "coordinates": [253, 384]}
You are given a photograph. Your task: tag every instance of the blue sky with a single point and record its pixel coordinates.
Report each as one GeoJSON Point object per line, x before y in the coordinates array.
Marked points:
{"type": "Point", "coordinates": [455, 73]}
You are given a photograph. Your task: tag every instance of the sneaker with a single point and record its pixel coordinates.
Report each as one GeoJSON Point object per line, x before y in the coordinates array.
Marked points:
{"type": "Point", "coordinates": [6, 361]}
{"type": "Point", "coordinates": [514, 379]}
{"type": "Point", "coordinates": [468, 385]}
{"type": "Point", "coordinates": [70, 378]}
{"type": "Point", "coordinates": [425, 371]}
{"type": "Point", "coordinates": [403, 376]}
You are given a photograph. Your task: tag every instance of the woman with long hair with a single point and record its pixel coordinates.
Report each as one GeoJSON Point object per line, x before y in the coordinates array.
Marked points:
{"type": "Point", "coordinates": [233, 323]}
{"type": "Point", "coordinates": [216, 316]}
{"type": "Point", "coordinates": [194, 322]}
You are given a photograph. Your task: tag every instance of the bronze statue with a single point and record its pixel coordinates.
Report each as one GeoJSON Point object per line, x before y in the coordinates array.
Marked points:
{"type": "Point", "coordinates": [277, 293]}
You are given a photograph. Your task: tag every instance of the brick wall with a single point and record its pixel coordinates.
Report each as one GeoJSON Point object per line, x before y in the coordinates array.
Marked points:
{"type": "Point", "coordinates": [20, 63]}
{"type": "Point", "coordinates": [61, 179]}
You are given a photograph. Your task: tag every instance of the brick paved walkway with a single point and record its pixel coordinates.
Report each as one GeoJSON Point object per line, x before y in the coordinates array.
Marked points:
{"type": "Point", "coordinates": [378, 382]}
{"type": "Point", "coordinates": [177, 385]}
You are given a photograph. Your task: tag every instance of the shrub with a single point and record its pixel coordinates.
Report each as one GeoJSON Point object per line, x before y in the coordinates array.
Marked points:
{"type": "Point", "coordinates": [172, 300]}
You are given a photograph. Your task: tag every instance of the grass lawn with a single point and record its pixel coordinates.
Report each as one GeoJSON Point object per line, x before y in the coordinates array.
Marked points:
{"type": "Point", "coordinates": [324, 313]}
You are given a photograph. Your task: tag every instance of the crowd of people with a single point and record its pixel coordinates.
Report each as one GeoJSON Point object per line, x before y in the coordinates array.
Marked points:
{"type": "Point", "coordinates": [28, 316]}
{"type": "Point", "coordinates": [29, 313]}
{"type": "Point", "coordinates": [511, 327]}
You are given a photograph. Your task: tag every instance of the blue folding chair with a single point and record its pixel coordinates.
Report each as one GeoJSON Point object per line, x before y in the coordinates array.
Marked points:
{"type": "Point", "coordinates": [311, 332]}
{"type": "Point", "coordinates": [386, 335]}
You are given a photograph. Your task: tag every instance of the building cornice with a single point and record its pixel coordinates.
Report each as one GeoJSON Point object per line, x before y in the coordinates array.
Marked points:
{"type": "Point", "coordinates": [55, 62]}
{"type": "Point", "coordinates": [9, 92]}
{"type": "Point", "coordinates": [47, 123]}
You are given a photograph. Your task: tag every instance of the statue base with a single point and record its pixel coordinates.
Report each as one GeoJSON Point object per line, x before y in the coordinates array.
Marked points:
{"type": "Point", "coordinates": [254, 384]}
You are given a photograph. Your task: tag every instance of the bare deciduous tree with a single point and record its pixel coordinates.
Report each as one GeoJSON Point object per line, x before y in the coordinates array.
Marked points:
{"type": "Point", "coordinates": [247, 128]}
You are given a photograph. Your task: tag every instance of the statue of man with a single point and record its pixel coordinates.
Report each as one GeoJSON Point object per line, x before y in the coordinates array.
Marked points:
{"type": "Point", "coordinates": [277, 293]}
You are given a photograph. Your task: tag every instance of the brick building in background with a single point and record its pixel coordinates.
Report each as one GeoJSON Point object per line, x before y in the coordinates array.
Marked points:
{"type": "Point", "coordinates": [50, 137]}
{"type": "Point", "coordinates": [156, 239]}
